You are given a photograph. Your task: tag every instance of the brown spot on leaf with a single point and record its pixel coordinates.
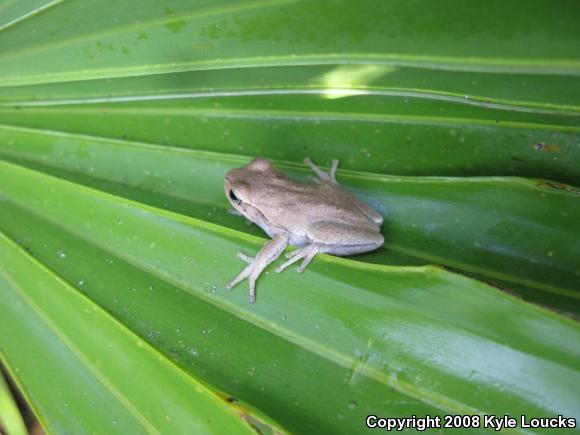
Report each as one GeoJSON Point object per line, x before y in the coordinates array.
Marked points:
{"type": "Point", "coordinates": [548, 147]}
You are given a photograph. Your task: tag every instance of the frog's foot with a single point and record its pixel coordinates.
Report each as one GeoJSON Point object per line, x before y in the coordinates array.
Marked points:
{"type": "Point", "coordinates": [271, 250]}
{"type": "Point", "coordinates": [331, 176]}
{"type": "Point", "coordinates": [307, 253]}
{"type": "Point", "coordinates": [246, 273]}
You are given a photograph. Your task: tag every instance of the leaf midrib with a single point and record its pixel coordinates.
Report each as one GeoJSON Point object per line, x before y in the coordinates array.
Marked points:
{"type": "Point", "coordinates": [384, 91]}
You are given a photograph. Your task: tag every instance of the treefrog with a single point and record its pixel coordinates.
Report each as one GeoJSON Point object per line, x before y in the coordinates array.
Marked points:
{"type": "Point", "coordinates": [320, 217]}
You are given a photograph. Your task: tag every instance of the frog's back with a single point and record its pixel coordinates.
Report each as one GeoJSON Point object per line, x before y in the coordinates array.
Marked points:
{"type": "Point", "coordinates": [294, 206]}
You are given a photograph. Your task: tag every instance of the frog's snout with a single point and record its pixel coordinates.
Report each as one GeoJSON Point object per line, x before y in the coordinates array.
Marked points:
{"type": "Point", "coordinates": [227, 186]}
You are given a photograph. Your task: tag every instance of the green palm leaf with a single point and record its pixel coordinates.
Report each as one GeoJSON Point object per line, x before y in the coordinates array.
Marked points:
{"type": "Point", "coordinates": [118, 122]}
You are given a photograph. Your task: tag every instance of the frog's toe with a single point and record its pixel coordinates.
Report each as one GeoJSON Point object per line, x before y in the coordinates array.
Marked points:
{"type": "Point", "coordinates": [333, 168]}
{"type": "Point", "coordinates": [242, 275]}
{"type": "Point", "coordinates": [230, 285]}
{"type": "Point", "coordinates": [307, 259]}
{"type": "Point", "coordinates": [245, 257]}
{"type": "Point", "coordinates": [321, 174]}
{"type": "Point", "coordinates": [292, 253]}
{"type": "Point", "coordinates": [252, 291]}
{"type": "Point", "coordinates": [287, 263]}
{"type": "Point", "coordinates": [307, 253]}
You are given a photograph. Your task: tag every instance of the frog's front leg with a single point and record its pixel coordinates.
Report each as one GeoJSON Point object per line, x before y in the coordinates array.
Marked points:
{"type": "Point", "coordinates": [334, 238]}
{"type": "Point", "coordinates": [269, 252]}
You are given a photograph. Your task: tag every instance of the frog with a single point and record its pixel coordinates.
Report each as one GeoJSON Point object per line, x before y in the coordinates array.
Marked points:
{"type": "Point", "coordinates": [320, 217]}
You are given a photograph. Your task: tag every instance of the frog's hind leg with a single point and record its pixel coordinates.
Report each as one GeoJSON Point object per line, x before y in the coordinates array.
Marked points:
{"type": "Point", "coordinates": [330, 176]}
{"type": "Point", "coordinates": [334, 238]}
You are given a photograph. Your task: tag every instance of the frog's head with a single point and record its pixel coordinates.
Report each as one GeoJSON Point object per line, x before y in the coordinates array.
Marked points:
{"type": "Point", "coordinates": [244, 188]}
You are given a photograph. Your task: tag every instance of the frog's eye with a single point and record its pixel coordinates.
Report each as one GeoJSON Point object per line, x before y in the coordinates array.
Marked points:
{"type": "Point", "coordinates": [233, 197]}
